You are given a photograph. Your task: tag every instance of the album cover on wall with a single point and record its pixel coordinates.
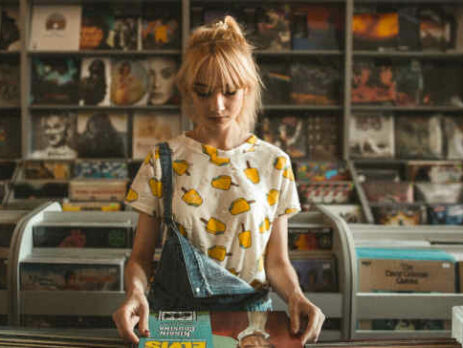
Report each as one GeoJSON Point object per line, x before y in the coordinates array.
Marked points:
{"type": "Point", "coordinates": [442, 84]}
{"type": "Point", "coordinates": [55, 27]}
{"type": "Point", "coordinates": [409, 28]}
{"type": "Point", "coordinates": [287, 133]}
{"type": "Point", "coordinates": [96, 28]}
{"type": "Point", "coordinates": [97, 169]}
{"type": "Point", "coordinates": [273, 28]}
{"type": "Point", "coordinates": [160, 28]}
{"type": "Point", "coordinates": [9, 29]}
{"type": "Point", "coordinates": [277, 81]}
{"type": "Point", "coordinates": [324, 87]}
{"type": "Point", "coordinates": [324, 137]}
{"type": "Point", "coordinates": [150, 129]}
{"type": "Point", "coordinates": [375, 30]}
{"type": "Point", "coordinates": [388, 191]}
{"type": "Point", "coordinates": [325, 193]}
{"type": "Point", "coordinates": [445, 214]}
{"type": "Point", "coordinates": [409, 82]}
{"type": "Point", "coordinates": [371, 136]}
{"type": "Point", "coordinates": [322, 171]}
{"type": "Point", "coordinates": [418, 137]}
{"type": "Point", "coordinates": [125, 30]}
{"type": "Point", "coordinates": [316, 275]}
{"type": "Point", "coordinates": [310, 238]}
{"type": "Point", "coordinates": [53, 135]}
{"type": "Point", "coordinates": [95, 81]}
{"type": "Point", "coordinates": [400, 215]}
{"type": "Point", "coordinates": [55, 80]}
{"type": "Point", "coordinates": [453, 127]}
{"type": "Point", "coordinates": [435, 29]}
{"type": "Point", "coordinates": [434, 172]}
{"type": "Point", "coordinates": [102, 134]}
{"type": "Point", "coordinates": [9, 84]}
{"type": "Point", "coordinates": [162, 72]}
{"type": "Point", "coordinates": [129, 82]}
{"type": "Point", "coordinates": [47, 170]}
{"type": "Point", "coordinates": [10, 136]}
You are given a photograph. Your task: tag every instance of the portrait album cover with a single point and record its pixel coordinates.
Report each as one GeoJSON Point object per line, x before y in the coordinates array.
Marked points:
{"type": "Point", "coordinates": [371, 135]}
{"type": "Point", "coordinates": [97, 190]}
{"type": "Point", "coordinates": [100, 169]}
{"type": "Point", "coordinates": [95, 81]}
{"type": "Point", "coordinates": [315, 27]}
{"type": "Point", "coordinates": [129, 82]}
{"type": "Point", "coordinates": [277, 81]}
{"type": "Point", "coordinates": [453, 130]}
{"type": "Point", "coordinates": [325, 87]}
{"type": "Point", "coordinates": [273, 28]}
{"type": "Point", "coordinates": [96, 28]}
{"type": "Point", "coordinates": [152, 128]}
{"type": "Point", "coordinates": [9, 28]}
{"type": "Point", "coordinates": [55, 170]}
{"type": "Point", "coordinates": [125, 30]}
{"type": "Point", "coordinates": [322, 171]}
{"type": "Point", "coordinates": [324, 136]}
{"type": "Point", "coordinates": [288, 133]}
{"type": "Point", "coordinates": [10, 136]}
{"type": "Point", "coordinates": [55, 27]}
{"type": "Point", "coordinates": [161, 27]}
{"type": "Point", "coordinates": [316, 274]}
{"type": "Point", "coordinates": [55, 80]}
{"type": "Point", "coordinates": [418, 137]}
{"type": "Point", "coordinates": [102, 134]}
{"type": "Point", "coordinates": [428, 192]}
{"type": "Point", "coordinates": [9, 83]}
{"type": "Point", "coordinates": [435, 172]}
{"type": "Point", "coordinates": [118, 237]}
{"type": "Point", "coordinates": [75, 273]}
{"type": "Point", "coordinates": [161, 72]}
{"type": "Point", "coordinates": [388, 191]}
{"type": "Point", "coordinates": [445, 214]}
{"type": "Point", "coordinates": [436, 28]}
{"type": "Point", "coordinates": [302, 238]}
{"type": "Point", "coordinates": [400, 215]}
{"type": "Point", "coordinates": [53, 135]}
{"type": "Point", "coordinates": [351, 213]}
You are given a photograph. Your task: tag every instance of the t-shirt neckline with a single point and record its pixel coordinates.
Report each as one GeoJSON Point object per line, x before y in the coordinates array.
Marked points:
{"type": "Point", "coordinates": [250, 141]}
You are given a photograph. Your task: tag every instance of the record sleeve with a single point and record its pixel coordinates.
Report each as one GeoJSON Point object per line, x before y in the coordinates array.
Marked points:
{"type": "Point", "coordinates": [277, 81]}
{"type": "Point", "coordinates": [150, 129]}
{"type": "Point", "coordinates": [322, 171]}
{"type": "Point", "coordinates": [324, 192]}
{"type": "Point", "coordinates": [372, 174]}
{"type": "Point", "coordinates": [454, 137]}
{"type": "Point", "coordinates": [102, 134]}
{"type": "Point", "coordinates": [97, 27]}
{"type": "Point", "coordinates": [420, 137]}
{"type": "Point", "coordinates": [10, 136]}
{"type": "Point", "coordinates": [435, 29]}
{"type": "Point", "coordinates": [97, 190]}
{"type": "Point", "coordinates": [124, 35]}
{"type": "Point", "coordinates": [439, 193]}
{"type": "Point", "coordinates": [47, 170]}
{"type": "Point", "coordinates": [316, 275]}
{"type": "Point", "coordinates": [400, 215]}
{"type": "Point", "coordinates": [445, 214]}
{"type": "Point", "coordinates": [55, 27]}
{"type": "Point", "coordinates": [287, 133]}
{"type": "Point", "coordinates": [324, 137]}
{"type": "Point", "coordinates": [53, 135]}
{"type": "Point", "coordinates": [100, 170]}
{"type": "Point", "coordinates": [409, 79]}
{"type": "Point", "coordinates": [40, 190]}
{"type": "Point", "coordinates": [404, 324]}
{"type": "Point", "coordinates": [273, 28]}
{"type": "Point", "coordinates": [388, 191]}
{"type": "Point", "coordinates": [91, 206]}
{"type": "Point", "coordinates": [371, 136]}
{"type": "Point", "coordinates": [409, 28]}
{"type": "Point", "coordinates": [162, 72]}
{"type": "Point", "coordinates": [375, 30]}
{"type": "Point", "coordinates": [309, 238]}
{"type": "Point", "coordinates": [55, 80]}
{"type": "Point", "coordinates": [435, 172]}
{"type": "Point", "coordinates": [351, 213]}
{"type": "Point", "coordinates": [129, 82]}
{"type": "Point", "coordinates": [95, 81]}
{"type": "Point", "coordinates": [9, 84]}
{"type": "Point", "coordinates": [160, 28]}
{"type": "Point", "coordinates": [9, 29]}
{"type": "Point", "coordinates": [442, 84]}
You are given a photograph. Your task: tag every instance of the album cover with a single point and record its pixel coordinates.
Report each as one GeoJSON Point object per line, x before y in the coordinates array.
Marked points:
{"type": "Point", "coordinates": [153, 128]}
{"type": "Point", "coordinates": [316, 27]}
{"type": "Point", "coordinates": [388, 191]}
{"type": "Point", "coordinates": [442, 84]}
{"type": "Point", "coordinates": [324, 87]}
{"type": "Point", "coordinates": [273, 28]}
{"type": "Point", "coordinates": [409, 28]}
{"type": "Point", "coordinates": [375, 31]}
{"type": "Point", "coordinates": [378, 174]}
{"type": "Point", "coordinates": [453, 128]}
{"type": "Point", "coordinates": [55, 80]}
{"type": "Point", "coordinates": [351, 213]}
{"type": "Point", "coordinates": [400, 215]}
{"type": "Point", "coordinates": [97, 190]}
{"type": "Point", "coordinates": [435, 29]}
{"type": "Point", "coordinates": [81, 236]}
{"type": "Point", "coordinates": [322, 171]}
{"type": "Point", "coordinates": [129, 82]}
{"type": "Point", "coordinates": [102, 134]}
{"type": "Point", "coordinates": [162, 72]}
{"type": "Point", "coordinates": [55, 27]}
{"type": "Point", "coordinates": [9, 29]}
{"type": "Point", "coordinates": [9, 84]}
{"type": "Point", "coordinates": [310, 238]}
{"type": "Point", "coordinates": [40, 190]}
{"type": "Point", "coordinates": [95, 81]}
{"type": "Point", "coordinates": [316, 275]}
{"type": "Point", "coordinates": [96, 28]}
{"type": "Point", "coordinates": [277, 82]}
{"type": "Point", "coordinates": [79, 275]}
{"type": "Point", "coordinates": [287, 133]}
{"type": "Point", "coordinates": [439, 193]}
{"type": "Point", "coordinates": [100, 170]}
{"type": "Point", "coordinates": [160, 28]}
{"type": "Point", "coordinates": [409, 81]}
{"type": "Point", "coordinates": [47, 170]}
{"type": "Point", "coordinates": [67, 321]}
{"type": "Point", "coordinates": [53, 135]}
{"type": "Point", "coordinates": [371, 136]}
{"type": "Point", "coordinates": [418, 137]}
{"type": "Point", "coordinates": [324, 192]}
{"type": "Point", "coordinates": [10, 136]}
{"type": "Point", "coordinates": [324, 136]}
{"type": "Point", "coordinates": [91, 206]}
{"type": "Point", "coordinates": [124, 35]}
{"type": "Point", "coordinates": [445, 214]}
{"type": "Point", "coordinates": [435, 172]}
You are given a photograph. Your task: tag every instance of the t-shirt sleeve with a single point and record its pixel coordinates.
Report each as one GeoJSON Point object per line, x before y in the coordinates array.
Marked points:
{"type": "Point", "coordinates": [145, 192]}
{"type": "Point", "coordinates": [288, 200]}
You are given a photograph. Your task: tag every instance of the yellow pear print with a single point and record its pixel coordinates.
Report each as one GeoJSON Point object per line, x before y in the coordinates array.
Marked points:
{"type": "Point", "coordinates": [222, 182]}
{"type": "Point", "coordinates": [181, 229]}
{"type": "Point", "coordinates": [214, 226]}
{"type": "Point", "coordinates": [288, 173]}
{"type": "Point", "coordinates": [156, 187]}
{"type": "Point", "coordinates": [192, 197]}
{"type": "Point", "coordinates": [252, 139]}
{"type": "Point", "coordinates": [217, 252]}
{"type": "Point", "coordinates": [260, 264]}
{"type": "Point", "coordinates": [245, 238]}
{"type": "Point", "coordinates": [291, 210]}
{"type": "Point", "coordinates": [252, 173]}
{"type": "Point", "coordinates": [265, 225]}
{"type": "Point", "coordinates": [209, 150]}
{"type": "Point", "coordinates": [214, 157]}
{"type": "Point", "coordinates": [147, 159]}
{"type": "Point", "coordinates": [272, 196]}
{"type": "Point", "coordinates": [132, 196]}
{"type": "Point", "coordinates": [279, 163]}
{"type": "Point", "coordinates": [239, 206]}
{"type": "Point", "coordinates": [156, 153]}
{"type": "Point", "coordinates": [181, 167]}
{"type": "Point", "coordinates": [233, 271]}
{"type": "Point", "coordinates": [220, 161]}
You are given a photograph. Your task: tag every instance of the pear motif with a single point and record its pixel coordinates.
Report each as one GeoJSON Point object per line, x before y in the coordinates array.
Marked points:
{"type": "Point", "coordinates": [260, 264]}
{"type": "Point", "coordinates": [252, 139]}
{"type": "Point", "coordinates": [214, 226]}
{"type": "Point", "coordinates": [290, 210]}
{"type": "Point", "coordinates": [217, 252]}
{"type": "Point", "coordinates": [181, 229]}
{"type": "Point", "coordinates": [265, 225]}
{"type": "Point", "coordinates": [222, 182]}
{"type": "Point", "coordinates": [288, 173]}
{"type": "Point", "coordinates": [233, 271]}
{"type": "Point", "coordinates": [181, 167]}
{"type": "Point", "coordinates": [279, 163]}
{"type": "Point", "coordinates": [131, 196]}
{"type": "Point", "coordinates": [272, 196]}
{"type": "Point", "coordinates": [239, 206]}
{"type": "Point", "coordinates": [147, 158]}
{"type": "Point", "coordinates": [245, 238]}
{"type": "Point", "coordinates": [252, 173]}
{"type": "Point", "coordinates": [192, 197]}
{"type": "Point", "coordinates": [156, 187]}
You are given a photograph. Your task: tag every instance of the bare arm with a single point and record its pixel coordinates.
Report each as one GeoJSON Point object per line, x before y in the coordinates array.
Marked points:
{"type": "Point", "coordinates": [284, 281]}
{"type": "Point", "coordinates": [135, 308]}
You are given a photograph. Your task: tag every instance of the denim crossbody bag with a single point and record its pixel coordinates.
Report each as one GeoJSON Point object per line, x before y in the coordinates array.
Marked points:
{"type": "Point", "coordinates": [186, 278]}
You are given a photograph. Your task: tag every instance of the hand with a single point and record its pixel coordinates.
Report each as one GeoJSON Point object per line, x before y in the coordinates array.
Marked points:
{"type": "Point", "coordinates": [301, 307]}
{"type": "Point", "coordinates": [135, 309]}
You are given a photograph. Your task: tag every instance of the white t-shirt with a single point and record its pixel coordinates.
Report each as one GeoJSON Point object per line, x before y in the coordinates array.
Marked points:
{"type": "Point", "coordinates": [224, 201]}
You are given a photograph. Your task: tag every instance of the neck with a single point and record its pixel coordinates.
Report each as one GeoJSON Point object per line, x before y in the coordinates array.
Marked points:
{"type": "Point", "coordinates": [225, 139]}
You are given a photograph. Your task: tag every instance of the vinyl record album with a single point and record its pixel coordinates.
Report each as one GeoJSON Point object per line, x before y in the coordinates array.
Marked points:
{"type": "Point", "coordinates": [129, 82]}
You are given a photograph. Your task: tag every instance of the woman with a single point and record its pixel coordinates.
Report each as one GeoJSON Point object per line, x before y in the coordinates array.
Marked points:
{"type": "Point", "coordinates": [233, 192]}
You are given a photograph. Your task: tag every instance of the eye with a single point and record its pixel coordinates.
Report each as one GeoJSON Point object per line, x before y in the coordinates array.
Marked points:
{"type": "Point", "coordinates": [229, 93]}
{"type": "Point", "coordinates": [203, 94]}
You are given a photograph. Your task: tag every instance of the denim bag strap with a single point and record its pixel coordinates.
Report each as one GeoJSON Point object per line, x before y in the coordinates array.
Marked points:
{"type": "Point", "coordinates": [206, 277]}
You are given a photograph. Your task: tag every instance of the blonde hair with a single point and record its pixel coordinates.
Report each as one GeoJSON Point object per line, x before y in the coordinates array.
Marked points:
{"type": "Point", "coordinates": [219, 55]}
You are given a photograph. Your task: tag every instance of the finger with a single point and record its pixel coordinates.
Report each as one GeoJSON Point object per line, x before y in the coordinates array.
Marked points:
{"type": "Point", "coordinates": [143, 326]}
{"type": "Point", "coordinates": [125, 323]}
{"type": "Point", "coordinates": [294, 318]}
{"type": "Point", "coordinates": [313, 329]}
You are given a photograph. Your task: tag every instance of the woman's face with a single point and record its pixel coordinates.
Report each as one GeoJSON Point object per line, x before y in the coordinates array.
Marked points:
{"type": "Point", "coordinates": [55, 130]}
{"type": "Point", "coordinates": [162, 74]}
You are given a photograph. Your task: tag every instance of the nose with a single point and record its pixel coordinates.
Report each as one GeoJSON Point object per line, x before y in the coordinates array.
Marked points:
{"type": "Point", "coordinates": [218, 102]}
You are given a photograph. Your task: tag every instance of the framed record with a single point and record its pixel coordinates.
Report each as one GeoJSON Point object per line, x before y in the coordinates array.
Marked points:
{"type": "Point", "coordinates": [95, 81]}
{"type": "Point", "coordinates": [129, 82]}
